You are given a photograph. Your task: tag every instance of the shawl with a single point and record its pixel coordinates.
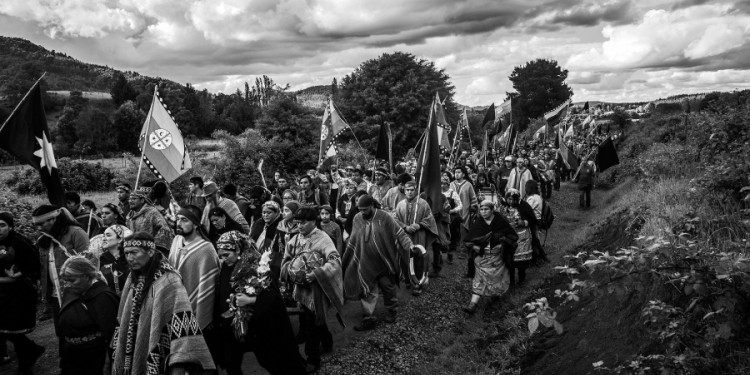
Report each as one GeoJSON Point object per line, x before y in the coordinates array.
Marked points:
{"type": "Point", "coordinates": [518, 182]}
{"type": "Point", "coordinates": [318, 297]}
{"type": "Point", "coordinates": [157, 328]}
{"type": "Point", "coordinates": [498, 232]}
{"type": "Point", "coordinates": [198, 265]}
{"type": "Point", "coordinates": [405, 216]}
{"type": "Point", "coordinates": [334, 231]}
{"type": "Point", "coordinates": [375, 248]}
{"type": "Point", "coordinates": [468, 199]}
{"type": "Point", "coordinates": [392, 197]}
{"type": "Point", "coordinates": [148, 219]}
{"type": "Point", "coordinates": [232, 211]}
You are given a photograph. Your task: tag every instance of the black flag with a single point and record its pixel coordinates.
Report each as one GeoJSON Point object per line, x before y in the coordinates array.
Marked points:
{"type": "Point", "coordinates": [607, 155]}
{"type": "Point", "coordinates": [25, 135]}
{"type": "Point", "coordinates": [585, 107]}
{"type": "Point", "coordinates": [489, 116]}
{"type": "Point", "coordinates": [428, 168]}
{"type": "Point", "coordinates": [383, 152]}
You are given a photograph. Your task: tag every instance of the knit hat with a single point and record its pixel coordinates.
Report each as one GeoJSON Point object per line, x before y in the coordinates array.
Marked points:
{"type": "Point", "coordinates": [232, 240]}
{"type": "Point", "coordinates": [191, 213]}
{"type": "Point", "coordinates": [488, 203]}
{"type": "Point", "coordinates": [292, 206]}
{"type": "Point", "coordinates": [366, 201]}
{"type": "Point", "coordinates": [7, 217]}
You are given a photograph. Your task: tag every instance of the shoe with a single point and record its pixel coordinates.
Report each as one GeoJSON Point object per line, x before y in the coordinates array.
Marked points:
{"type": "Point", "coordinates": [433, 275]}
{"type": "Point", "coordinates": [450, 258]}
{"type": "Point", "coordinates": [416, 292]}
{"type": "Point", "coordinates": [390, 317]}
{"type": "Point", "coordinates": [366, 325]}
{"type": "Point", "coordinates": [471, 309]}
{"type": "Point", "coordinates": [311, 368]}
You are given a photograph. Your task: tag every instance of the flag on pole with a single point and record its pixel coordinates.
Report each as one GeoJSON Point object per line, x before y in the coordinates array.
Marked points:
{"type": "Point", "coordinates": [485, 148]}
{"type": "Point", "coordinates": [26, 136]}
{"type": "Point", "coordinates": [587, 122]}
{"type": "Point", "coordinates": [607, 155]}
{"type": "Point", "coordinates": [489, 116]}
{"type": "Point", "coordinates": [567, 155]}
{"type": "Point", "coordinates": [540, 132]}
{"type": "Point", "coordinates": [442, 123]}
{"type": "Point", "coordinates": [554, 116]}
{"type": "Point", "coordinates": [162, 145]}
{"type": "Point", "coordinates": [501, 112]}
{"type": "Point", "coordinates": [586, 107]}
{"type": "Point", "coordinates": [333, 125]}
{"type": "Point", "coordinates": [428, 168]}
{"type": "Point", "coordinates": [570, 132]}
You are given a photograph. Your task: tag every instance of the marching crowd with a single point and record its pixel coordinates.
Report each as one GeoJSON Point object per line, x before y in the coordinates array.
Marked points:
{"type": "Point", "coordinates": [148, 285]}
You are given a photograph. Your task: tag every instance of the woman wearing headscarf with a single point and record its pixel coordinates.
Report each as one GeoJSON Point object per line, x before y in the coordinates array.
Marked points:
{"type": "Point", "coordinates": [88, 318]}
{"type": "Point", "coordinates": [521, 216]}
{"type": "Point", "coordinates": [493, 239]}
{"type": "Point", "coordinates": [250, 312]}
{"type": "Point", "coordinates": [220, 223]}
{"type": "Point", "coordinates": [112, 262]}
{"type": "Point", "coordinates": [19, 273]}
{"type": "Point", "coordinates": [263, 234]}
{"type": "Point", "coordinates": [484, 188]}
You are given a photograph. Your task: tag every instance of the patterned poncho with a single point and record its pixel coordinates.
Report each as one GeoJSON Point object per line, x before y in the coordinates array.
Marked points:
{"type": "Point", "coordinates": [157, 328]}
{"type": "Point", "coordinates": [406, 215]}
{"type": "Point", "coordinates": [198, 265]}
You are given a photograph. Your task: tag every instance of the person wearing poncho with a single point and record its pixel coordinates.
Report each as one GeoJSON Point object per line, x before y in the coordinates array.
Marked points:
{"type": "Point", "coordinates": [250, 313]}
{"type": "Point", "coordinates": [322, 287]}
{"type": "Point", "coordinates": [414, 216]}
{"type": "Point", "coordinates": [213, 199]}
{"type": "Point", "coordinates": [197, 262]}
{"type": "Point", "coordinates": [493, 239]}
{"type": "Point", "coordinates": [372, 261]}
{"type": "Point", "coordinates": [158, 332]}
{"type": "Point", "coordinates": [144, 217]}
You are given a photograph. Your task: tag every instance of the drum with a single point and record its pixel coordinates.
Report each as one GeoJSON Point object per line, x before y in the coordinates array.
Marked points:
{"type": "Point", "coordinates": [419, 263]}
{"type": "Point", "coordinates": [302, 264]}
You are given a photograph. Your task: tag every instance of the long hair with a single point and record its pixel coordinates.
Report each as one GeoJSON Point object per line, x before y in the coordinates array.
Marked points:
{"type": "Point", "coordinates": [80, 265]}
{"type": "Point", "coordinates": [62, 225]}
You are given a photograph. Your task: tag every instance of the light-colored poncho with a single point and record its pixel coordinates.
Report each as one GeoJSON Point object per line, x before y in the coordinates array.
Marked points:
{"type": "Point", "coordinates": [198, 265]}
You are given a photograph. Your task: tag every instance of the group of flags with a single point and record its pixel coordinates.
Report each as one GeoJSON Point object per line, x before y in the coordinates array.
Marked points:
{"type": "Point", "coordinates": [25, 135]}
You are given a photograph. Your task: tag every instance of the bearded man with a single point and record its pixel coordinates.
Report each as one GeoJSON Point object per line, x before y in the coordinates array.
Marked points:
{"type": "Point", "coordinates": [372, 261]}
{"type": "Point", "coordinates": [144, 217]}
{"type": "Point", "coordinates": [158, 332]}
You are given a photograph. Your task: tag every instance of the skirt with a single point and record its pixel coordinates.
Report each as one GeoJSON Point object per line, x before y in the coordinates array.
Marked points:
{"type": "Point", "coordinates": [523, 252]}
{"type": "Point", "coordinates": [491, 277]}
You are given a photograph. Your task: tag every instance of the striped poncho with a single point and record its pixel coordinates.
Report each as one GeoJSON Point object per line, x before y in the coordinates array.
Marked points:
{"type": "Point", "coordinates": [198, 265]}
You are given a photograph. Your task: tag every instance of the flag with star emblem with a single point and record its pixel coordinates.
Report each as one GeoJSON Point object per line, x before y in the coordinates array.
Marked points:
{"type": "Point", "coordinates": [164, 149]}
{"type": "Point", "coordinates": [333, 125]}
{"type": "Point", "coordinates": [25, 135]}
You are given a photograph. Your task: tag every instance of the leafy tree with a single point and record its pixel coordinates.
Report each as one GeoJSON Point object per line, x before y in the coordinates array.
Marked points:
{"type": "Point", "coordinates": [127, 122]}
{"type": "Point", "coordinates": [540, 86]}
{"type": "Point", "coordinates": [65, 134]}
{"type": "Point", "coordinates": [93, 130]}
{"type": "Point", "coordinates": [286, 119]}
{"type": "Point", "coordinates": [121, 90]}
{"type": "Point", "coordinates": [396, 88]}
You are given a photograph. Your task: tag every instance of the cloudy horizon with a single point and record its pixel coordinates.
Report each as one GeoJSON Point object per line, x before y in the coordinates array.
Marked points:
{"type": "Point", "coordinates": [614, 50]}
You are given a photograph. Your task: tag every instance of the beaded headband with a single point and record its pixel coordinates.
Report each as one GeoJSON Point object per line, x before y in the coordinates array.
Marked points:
{"type": "Point", "coordinates": [144, 244]}
{"type": "Point", "coordinates": [42, 218]}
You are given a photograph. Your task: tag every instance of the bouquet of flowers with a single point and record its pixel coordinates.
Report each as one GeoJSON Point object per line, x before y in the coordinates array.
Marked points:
{"type": "Point", "coordinates": [250, 277]}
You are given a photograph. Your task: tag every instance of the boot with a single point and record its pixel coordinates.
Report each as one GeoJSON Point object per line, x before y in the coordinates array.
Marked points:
{"type": "Point", "coordinates": [366, 325]}
{"type": "Point", "coordinates": [390, 317]}
{"type": "Point", "coordinates": [471, 309]}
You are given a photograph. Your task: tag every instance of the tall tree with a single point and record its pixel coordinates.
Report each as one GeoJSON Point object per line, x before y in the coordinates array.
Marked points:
{"type": "Point", "coordinates": [127, 122]}
{"type": "Point", "coordinates": [540, 86]}
{"type": "Point", "coordinates": [121, 90]}
{"type": "Point", "coordinates": [397, 88]}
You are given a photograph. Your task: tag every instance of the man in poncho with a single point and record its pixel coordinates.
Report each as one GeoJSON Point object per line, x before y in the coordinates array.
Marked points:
{"type": "Point", "coordinates": [197, 262]}
{"type": "Point", "coordinates": [213, 199]}
{"type": "Point", "coordinates": [414, 216]}
{"type": "Point", "coordinates": [144, 217]}
{"type": "Point", "coordinates": [158, 332]}
{"type": "Point", "coordinates": [372, 261]}
{"type": "Point", "coordinates": [317, 289]}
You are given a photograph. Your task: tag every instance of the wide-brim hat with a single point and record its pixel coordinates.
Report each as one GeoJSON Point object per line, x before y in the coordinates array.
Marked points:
{"type": "Point", "coordinates": [210, 188]}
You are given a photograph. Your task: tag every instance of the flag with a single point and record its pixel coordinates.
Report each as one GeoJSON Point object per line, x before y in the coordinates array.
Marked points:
{"type": "Point", "coordinates": [586, 107]}
{"type": "Point", "coordinates": [26, 136]}
{"type": "Point", "coordinates": [567, 155]}
{"type": "Point", "coordinates": [485, 148]}
{"type": "Point", "coordinates": [556, 115]}
{"type": "Point", "coordinates": [606, 155]}
{"type": "Point", "coordinates": [505, 109]}
{"type": "Point", "coordinates": [333, 125]}
{"type": "Point", "coordinates": [428, 168]}
{"type": "Point", "coordinates": [571, 131]}
{"type": "Point", "coordinates": [442, 123]}
{"type": "Point", "coordinates": [383, 152]}
{"type": "Point", "coordinates": [489, 116]}
{"type": "Point", "coordinates": [587, 121]}
{"type": "Point", "coordinates": [161, 143]}
{"type": "Point", "coordinates": [539, 133]}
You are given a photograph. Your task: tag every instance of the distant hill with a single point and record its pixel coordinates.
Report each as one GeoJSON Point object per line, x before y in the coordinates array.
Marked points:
{"type": "Point", "coordinates": [313, 96]}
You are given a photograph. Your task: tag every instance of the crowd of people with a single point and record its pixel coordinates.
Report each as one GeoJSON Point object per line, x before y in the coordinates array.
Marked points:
{"type": "Point", "coordinates": [149, 285]}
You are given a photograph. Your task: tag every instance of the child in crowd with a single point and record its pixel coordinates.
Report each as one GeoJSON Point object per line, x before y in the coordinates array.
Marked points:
{"type": "Point", "coordinates": [331, 227]}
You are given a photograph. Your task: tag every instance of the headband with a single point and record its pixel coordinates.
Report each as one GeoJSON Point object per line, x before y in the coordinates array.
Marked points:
{"type": "Point", "coordinates": [272, 205]}
{"type": "Point", "coordinates": [144, 244]}
{"type": "Point", "coordinates": [123, 187]}
{"type": "Point", "coordinates": [120, 230]}
{"type": "Point", "coordinates": [44, 217]}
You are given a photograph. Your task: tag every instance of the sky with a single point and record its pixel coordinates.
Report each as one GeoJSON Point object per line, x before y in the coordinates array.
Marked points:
{"type": "Point", "coordinates": [614, 50]}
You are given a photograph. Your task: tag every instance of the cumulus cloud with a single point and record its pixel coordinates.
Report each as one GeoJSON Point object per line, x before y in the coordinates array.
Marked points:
{"type": "Point", "coordinates": [556, 14]}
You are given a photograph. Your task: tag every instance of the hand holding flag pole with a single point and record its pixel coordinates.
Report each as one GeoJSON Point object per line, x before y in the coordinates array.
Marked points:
{"type": "Point", "coordinates": [260, 170]}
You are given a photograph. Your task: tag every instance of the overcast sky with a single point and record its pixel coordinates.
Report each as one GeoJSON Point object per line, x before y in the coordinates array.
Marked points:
{"type": "Point", "coordinates": [615, 50]}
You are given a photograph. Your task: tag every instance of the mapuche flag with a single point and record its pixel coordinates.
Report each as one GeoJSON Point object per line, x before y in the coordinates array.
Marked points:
{"type": "Point", "coordinates": [25, 135]}
{"type": "Point", "coordinates": [442, 123]}
{"type": "Point", "coordinates": [554, 116]}
{"type": "Point", "coordinates": [383, 151]}
{"type": "Point", "coordinates": [161, 142]}
{"type": "Point", "coordinates": [607, 155]}
{"type": "Point", "coordinates": [333, 125]}
{"type": "Point", "coordinates": [505, 109]}
{"type": "Point", "coordinates": [568, 157]}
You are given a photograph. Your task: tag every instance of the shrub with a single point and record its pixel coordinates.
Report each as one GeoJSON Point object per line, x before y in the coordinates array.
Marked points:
{"type": "Point", "coordinates": [75, 175]}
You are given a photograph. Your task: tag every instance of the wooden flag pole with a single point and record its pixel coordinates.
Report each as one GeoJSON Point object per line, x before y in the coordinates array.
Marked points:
{"type": "Point", "coordinates": [145, 138]}
{"type": "Point", "coordinates": [424, 156]}
{"type": "Point", "coordinates": [21, 101]}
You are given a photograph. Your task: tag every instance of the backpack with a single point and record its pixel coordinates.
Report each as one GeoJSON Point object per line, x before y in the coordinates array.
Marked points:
{"type": "Point", "coordinates": [547, 216]}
